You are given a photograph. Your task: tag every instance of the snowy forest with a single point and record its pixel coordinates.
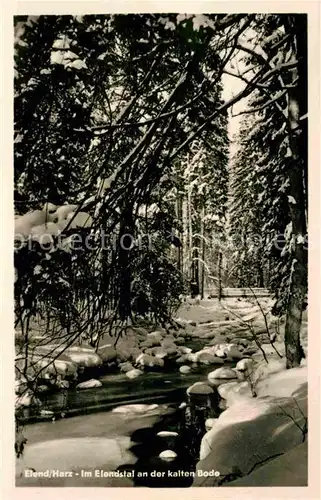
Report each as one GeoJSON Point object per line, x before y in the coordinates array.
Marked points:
{"type": "Point", "coordinates": [160, 198]}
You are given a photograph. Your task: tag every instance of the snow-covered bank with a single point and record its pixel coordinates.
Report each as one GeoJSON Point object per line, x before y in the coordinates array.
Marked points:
{"type": "Point", "coordinates": [254, 431]}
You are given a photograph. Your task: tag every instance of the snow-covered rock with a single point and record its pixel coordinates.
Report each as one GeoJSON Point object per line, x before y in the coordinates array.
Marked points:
{"type": "Point", "coordinates": [167, 434]}
{"type": "Point", "coordinates": [205, 357]}
{"type": "Point", "coordinates": [183, 359]}
{"type": "Point", "coordinates": [107, 353]}
{"type": "Point", "coordinates": [134, 373]}
{"type": "Point", "coordinates": [89, 384]}
{"type": "Point", "coordinates": [149, 361]}
{"type": "Point", "coordinates": [168, 455]}
{"type": "Point", "coordinates": [200, 388]}
{"type": "Point", "coordinates": [245, 365]}
{"type": "Point", "coordinates": [63, 367]}
{"type": "Point", "coordinates": [155, 337]}
{"type": "Point", "coordinates": [185, 369]}
{"type": "Point", "coordinates": [169, 346]}
{"type": "Point", "coordinates": [147, 344]}
{"type": "Point", "coordinates": [127, 352]}
{"type": "Point", "coordinates": [183, 350]}
{"type": "Point", "coordinates": [84, 357]}
{"type": "Point", "coordinates": [126, 367]}
{"type": "Point", "coordinates": [46, 413]}
{"type": "Point", "coordinates": [221, 373]}
{"type": "Point", "coordinates": [135, 409]}
{"type": "Point", "coordinates": [158, 352]}
{"type": "Point", "coordinates": [234, 391]}
{"type": "Point", "coordinates": [228, 350]}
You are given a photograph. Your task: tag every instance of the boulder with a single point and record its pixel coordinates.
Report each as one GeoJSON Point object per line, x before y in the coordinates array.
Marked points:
{"type": "Point", "coordinates": [183, 350]}
{"type": "Point", "coordinates": [107, 353]}
{"type": "Point", "coordinates": [146, 344]}
{"type": "Point", "coordinates": [232, 351]}
{"type": "Point", "coordinates": [126, 367]}
{"type": "Point", "coordinates": [183, 359]}
{"type": "Point", "coordinates": [233, 392]}
{"type": "Point", "coordinates": [167, 455]}
{"type": "Point", "coordinates": [249, 351]}
{"type": "Point", "coordinates": [221, 373]}
{"type": "Point", "coordinates": [168, 341]}
{"type": "Point", "coordinates": [200, 388]}
{"type": "Point", "coordinates": [219, 350]}
{"type": "Point", "coordinates": [127, 352]}
{"type": "Point", "coordinates": [46, 413]}
{"type": "Point", "coordinates": [245, 365]}
{"type": "Point", "coordinates": [228, 350]}
{"type": "Point", "coordinates": [89, 384]}
{"type": "Point", "coordinates": [57, 367]}
{"type": "Point", "coordinates": [155, 338]}
{"type": "Point", "coordinates": [134, 373]}
{"type": "Point", "coordinates": [135, 409]}
{"type": "Point", "coordinates": [205, 357]}
{"type": "Point", "coordinates": [242, 342]}
{"type": "Point", "coordinates": [167, 434]}
{"type": "Point", "coordinates": [180, 340]}
{"type": "Point", "coordinates": [185, 369]}
{"type": "Point", "coordinates": [158, 352]}
{"type": "Point", "coordinates": [84, 357]}
{"type": "Point", "coordinates": [149, 361]}
{"type": "Point", "coordinates": [191, 357]}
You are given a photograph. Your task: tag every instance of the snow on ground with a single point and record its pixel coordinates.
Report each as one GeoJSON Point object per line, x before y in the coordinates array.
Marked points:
{"type": "Point", "coordinates": [289, 469]}
{"type": "Point", "coordinates": [253, 431]}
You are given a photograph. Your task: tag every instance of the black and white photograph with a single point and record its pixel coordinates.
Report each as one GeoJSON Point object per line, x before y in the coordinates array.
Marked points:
{"type": "Point", "coordinates": [161, 250]}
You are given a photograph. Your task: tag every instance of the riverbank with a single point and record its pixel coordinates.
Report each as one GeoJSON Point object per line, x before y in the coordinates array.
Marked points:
{"type": "Point", "coordinates": [158, 394]}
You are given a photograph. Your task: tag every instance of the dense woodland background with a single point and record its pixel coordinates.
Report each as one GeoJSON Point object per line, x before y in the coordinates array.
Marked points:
{"type": "Point", "coordinates": [120, 126]}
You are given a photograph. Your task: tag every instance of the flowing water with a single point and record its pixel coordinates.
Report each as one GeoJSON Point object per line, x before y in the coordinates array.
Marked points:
{"type": "Point", "coordinates": [94, 438]}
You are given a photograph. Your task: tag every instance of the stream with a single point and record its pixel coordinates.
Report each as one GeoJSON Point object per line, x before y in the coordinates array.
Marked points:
{"type": "Point", "coordinates": [99, 437]}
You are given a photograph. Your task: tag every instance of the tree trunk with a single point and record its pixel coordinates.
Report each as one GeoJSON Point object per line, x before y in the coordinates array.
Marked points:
{"type": "Point", "coordinates": [195, 274]}
{"type": "Point", "coordinates": [179, 216]}
{"type": "Point", "coordinates": [202, 253]}
{"type": "Point", "coordinates": [125, 241]}
{"type": "Point", "coordinates": [219, 275]}
{"type": "Point", "coordinates": [190, 233]}
{"type": "Point", "coordinates": [298, 149]}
